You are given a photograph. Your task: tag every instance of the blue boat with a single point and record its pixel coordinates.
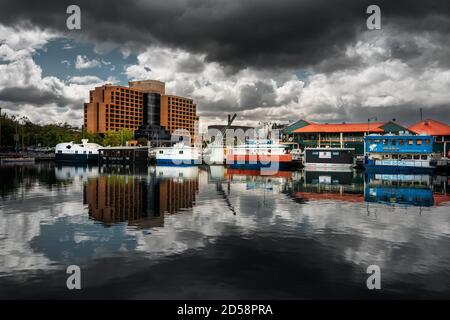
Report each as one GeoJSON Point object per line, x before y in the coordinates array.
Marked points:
{"type": "Point", "coordinates": [399, 153]}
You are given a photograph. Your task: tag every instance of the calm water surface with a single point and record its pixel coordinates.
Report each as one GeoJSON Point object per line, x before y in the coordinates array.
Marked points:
{"type": "Point", "coordinates": [209, 233]}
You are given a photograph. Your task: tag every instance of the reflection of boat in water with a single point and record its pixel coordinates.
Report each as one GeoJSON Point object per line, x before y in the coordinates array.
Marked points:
{"type": "Point", "coordinates": [248, 172]}
{"type": "Point", "coordinates": [72, 172]}
{"type": "Point", "coordinates": [415, 190]}
{"type": "Point", "coordinates": [173, 172]}
{"type": "Point", "coordinates": [326, 186]}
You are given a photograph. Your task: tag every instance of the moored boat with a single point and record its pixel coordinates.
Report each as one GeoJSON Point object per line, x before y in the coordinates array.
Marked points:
{"type": "Point", "coordinates": [177, 155]}
{"type": "Point", "coordinates": [258, 154]}
{"type": "Point", "coordinates": [399, 153]}
{"type": "Point", "coordinates": [70, 152]}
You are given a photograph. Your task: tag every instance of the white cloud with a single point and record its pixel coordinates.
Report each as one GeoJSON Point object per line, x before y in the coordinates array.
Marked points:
{"type": "Point", "coordinates": [82, 62]}
{"type": "Point", "coordinates": [85, 80]}
{"type": "Point", "coordinates": [21, 71]}
{"type": "Point", "coordinates": [18, 42]}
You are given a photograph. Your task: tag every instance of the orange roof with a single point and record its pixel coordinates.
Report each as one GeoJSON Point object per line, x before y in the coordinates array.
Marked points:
{"type": "Point", "coordinates": [341, 127]}
{"type": "Point", "coordinates": [431, 127]}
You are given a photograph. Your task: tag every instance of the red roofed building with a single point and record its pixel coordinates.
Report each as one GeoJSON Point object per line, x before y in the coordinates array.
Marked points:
{"type": "Point", "coordinates": [343, 135]}
{"type": "Point", "coordinates": [439, 130]}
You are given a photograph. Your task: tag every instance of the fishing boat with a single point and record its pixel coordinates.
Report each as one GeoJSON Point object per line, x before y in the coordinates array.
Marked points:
{"type": "Point", "coordinates": [70, 152]}
{"type": "Point", "coordinates": [403, 152]}
{"type": "Point", "coordinates": [257, 154]}
{"type": "Point", "coordinates": [329, 159]}
{"type": "Point", "coordinates": [179, 154]}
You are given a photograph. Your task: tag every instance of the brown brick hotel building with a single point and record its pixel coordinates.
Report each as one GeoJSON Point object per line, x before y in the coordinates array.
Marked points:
{"type": "Point", "coordinates": [113, 108]}
{"type": "Point", "coordinates": [143, 103]}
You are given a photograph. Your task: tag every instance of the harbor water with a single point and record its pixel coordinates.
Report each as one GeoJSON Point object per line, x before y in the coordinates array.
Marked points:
{"type": "Point", "coordinates": [213, 233]}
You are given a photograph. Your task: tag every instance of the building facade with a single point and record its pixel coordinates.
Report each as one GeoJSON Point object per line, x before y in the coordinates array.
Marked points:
{"type": "Point", "coordinates": [113, 108]}
{"type": "Point", "coordinates": [339, 135]}
{"type": "Point", "coordinates": [142, 107]}
{"type": "Point", "coordinates": [148, 86]}
{"type": "Point", "coordinates": [179, 113]}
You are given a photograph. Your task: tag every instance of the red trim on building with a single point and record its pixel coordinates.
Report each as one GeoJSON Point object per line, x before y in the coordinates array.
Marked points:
{"type": "Point", "coordinates": [373, 127]}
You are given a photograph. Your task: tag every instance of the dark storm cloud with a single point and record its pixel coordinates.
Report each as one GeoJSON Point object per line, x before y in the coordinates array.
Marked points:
{"type": "Point", "coordinates": [33, 96]}
{"type": "Point", "coordinates": [259, 94]}
{"type": "Point", "coordinates": [404, 114]}
{"type": "Point", "coordinates": [259, 33]}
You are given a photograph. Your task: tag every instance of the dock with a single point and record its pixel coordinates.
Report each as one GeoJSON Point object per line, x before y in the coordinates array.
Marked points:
{"type": "Point", "coordinates": [123, 155]}
{"type": "Point", "coordinates": [443, 165]}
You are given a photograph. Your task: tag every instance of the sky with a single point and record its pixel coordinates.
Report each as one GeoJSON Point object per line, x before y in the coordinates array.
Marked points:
{"type": "Point", "coordinates": [265, 60]}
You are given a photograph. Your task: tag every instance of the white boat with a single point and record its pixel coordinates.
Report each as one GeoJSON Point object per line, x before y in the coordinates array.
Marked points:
{"type": "Point", "coordinates": [177, 155]}
{"type": "Point", "coordinates": [70, 152]}
{"type": "Point", "coordinates": [214, 154]}
{"type": "Point", "coordinates": [257, 154]}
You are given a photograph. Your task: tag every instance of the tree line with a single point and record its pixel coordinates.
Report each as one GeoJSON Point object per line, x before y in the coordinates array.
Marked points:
{"type": "Point", "coordinates": [21, 133]}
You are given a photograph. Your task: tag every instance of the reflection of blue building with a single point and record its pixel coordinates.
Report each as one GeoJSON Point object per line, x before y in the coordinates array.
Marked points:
{"type": "Point", "coordinates": [414, 190]}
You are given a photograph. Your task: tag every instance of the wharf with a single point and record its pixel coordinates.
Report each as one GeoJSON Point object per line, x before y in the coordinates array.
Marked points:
{"type": "Point", "coordinates": [443, 166]}
{"type": "Point", "coordinates": [123, 155]}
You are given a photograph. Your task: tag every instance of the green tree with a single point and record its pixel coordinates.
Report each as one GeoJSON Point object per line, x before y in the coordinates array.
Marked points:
{"type": "Point", "coordinates": [117, 138]}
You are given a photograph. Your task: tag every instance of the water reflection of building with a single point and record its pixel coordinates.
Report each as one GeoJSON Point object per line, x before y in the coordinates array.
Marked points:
{"type": "Point", "coordinates": [318, 186]}
{"type": "Point", "coordinates": [141, 201]}
{"type": "Point", "coordinates": [415, 190]}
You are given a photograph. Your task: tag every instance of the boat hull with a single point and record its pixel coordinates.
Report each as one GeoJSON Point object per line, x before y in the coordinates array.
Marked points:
{"type": "Point", "coordinates": [344, 167]}
{"type": "Point", "coordinates": [76, 158]}
{"type": "Point", "coordinates": [398, 166]}
{"type": "Point", "coordinates": [177, 162]}
{"type": "Point", "coordinates": [257, 162]}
